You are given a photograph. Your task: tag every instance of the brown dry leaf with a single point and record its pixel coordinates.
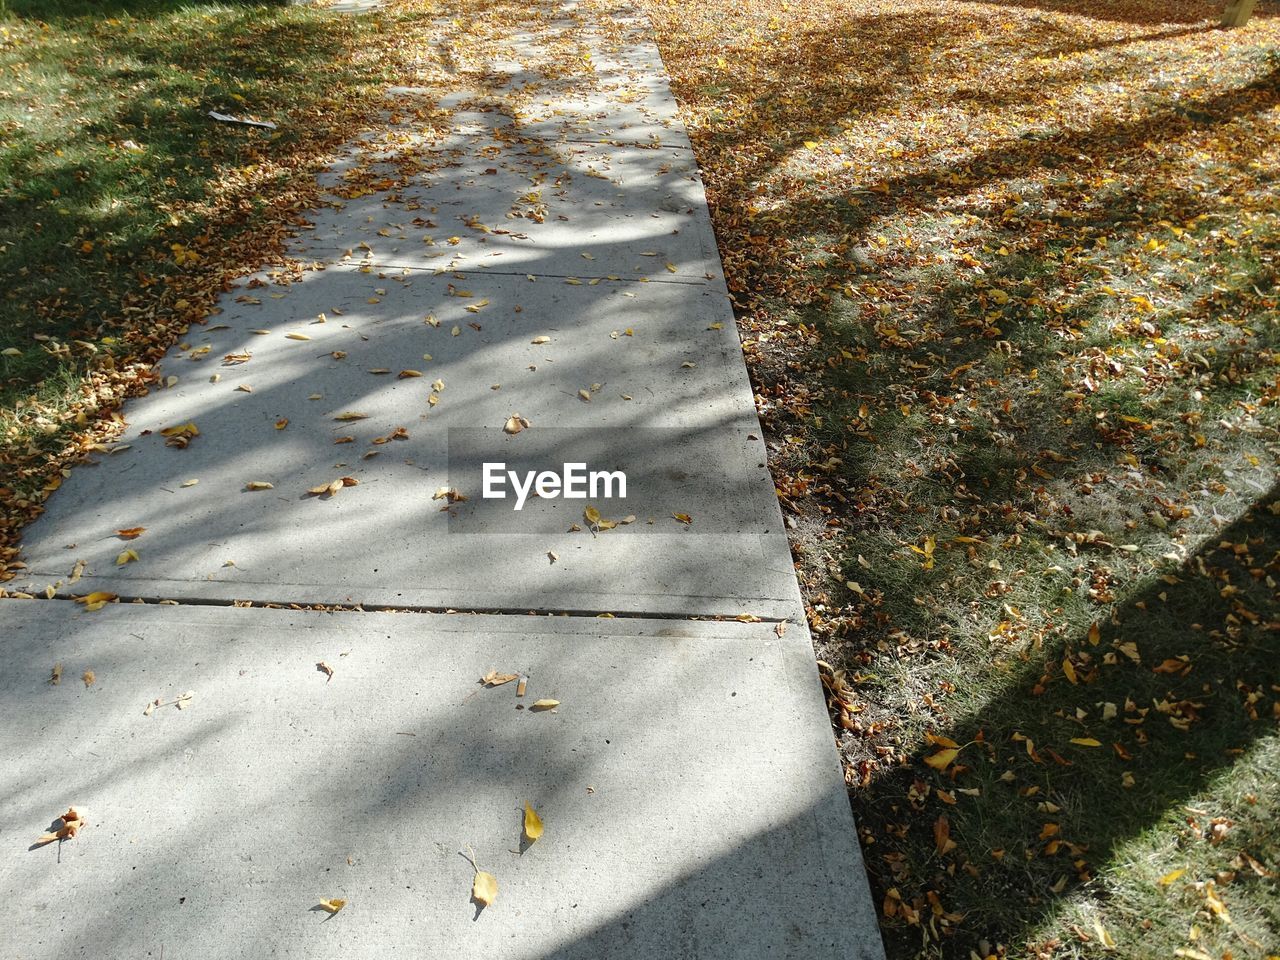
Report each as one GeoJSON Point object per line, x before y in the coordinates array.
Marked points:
{"type": "Point", "coordinates": [55, 677]}
{"type": "Point", "coordinates": [532, 823]}
{"type": "Point", "coordinates": [495, 679]}
{"type": "Point", "coordinates": [332, 906]}
{"type": "Point", "coordinates": [132, 533]}
{"type": "Point", "coordinates": [282, 423]}
{"type": "Point", "coordinates": [325, 669]}
{"type": "Point", "coordinates": [942, 835]}
{"type": "Point", "coordinates": [259, 485]}
{"type": "Point", "coordinates": [540, 340]}
{"type": "Point", "coordinates": [584, 395]}
{"type": "Point", "coordinates": [683, 518]}
{"type": "Point", "coordinates": [65, 827]}
{"type": "Point", "coordinates": [297, 336]}
{"type": "Point", "coordinates": [540, 705]}
{"type": "Point", "coordinates": [88, 678]}
{"type": "Point", "coordinates": [351, 415]}
{"type": "Point", "coordinates": [515, 423]}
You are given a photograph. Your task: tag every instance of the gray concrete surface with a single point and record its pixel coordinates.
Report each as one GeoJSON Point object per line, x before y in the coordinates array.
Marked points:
{"type": "Point", "coordinates": [690, 796]}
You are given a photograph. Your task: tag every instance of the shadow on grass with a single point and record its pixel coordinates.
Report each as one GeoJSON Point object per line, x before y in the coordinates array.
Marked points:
{"type": "Point", "coordinates": [56, 11]}
{"type": "Point", "coordinates": [1190, 666]}
{"type": "Point", "coordinates": [88, 225]}
{"type": "Point", "coordinates": [1128, 11]}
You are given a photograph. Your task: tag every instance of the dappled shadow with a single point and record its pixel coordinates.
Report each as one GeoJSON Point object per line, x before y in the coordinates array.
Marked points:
{"type": "Point", "coordinates": [551, 262]}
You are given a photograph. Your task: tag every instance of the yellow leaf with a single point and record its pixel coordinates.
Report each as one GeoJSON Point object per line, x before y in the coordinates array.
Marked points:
{"type": "Point", "coordinates": [259, 485]}
{"type": "Point", "coordinates": [297, 336]}
{"type": "Point", "coordinates": [182, 430]}
{"type": "Point", "coordinates": [88, 677]}
{"type": "Point", "coordinates": [811, 144]}
{"type": "Point", "coordinates": [1069, 669]}
{"type": "Point", "coordinates": [1171, 876]}
{"type": "Point", "coordinates": [1095, 634]}
{"type": "Point", "coordinates": [333, 906]}
{"type": "Point", "coordinates": [1085, 742]}
{"type": "Point", "coordinates": [532, 823]}
{"type": "Point", "coordinates": [484, 889]}
{"type": "Point", "coordinates": [96, 600]}
{"type": "Point", "coordinates": [132, 533]}
{"type": "Point", "coordinates": [281, 424]}
{"type": "Point", "coordinates": [352, 416]}
{"type": "Point", "coordinates": [127, 557]}
{"type": "Point", "coordinates": [545, 705]}
{"type": "Point", "coordinates": [683, 517]}
{"type": "Point", "coordinates": [591, 515]}
{"type": "Point", "coordinates": [942, 759]}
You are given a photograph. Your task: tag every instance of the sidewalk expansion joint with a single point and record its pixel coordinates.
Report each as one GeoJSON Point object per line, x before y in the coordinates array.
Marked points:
{"type": "Point", "coordinates": [584, 277]}
{"type": "Point", "coordinates": [353, 607]}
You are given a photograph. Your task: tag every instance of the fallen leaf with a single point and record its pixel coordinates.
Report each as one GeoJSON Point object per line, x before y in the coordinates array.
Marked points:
{"type": "Point", "coordinates": [332, 906]}
{"type": "Point", "coordinates": [88, 678]}
{"type": "Point", "coordinates": [484, 888]}
{"type": "Point", "coordinates": [128, 556]}
{"type": "Point", "coordinates": [495, 679]}
{"type": "Point", "coordinates": [55, 677]}
{"type": "Point", "coordinates": [942, 759]}
{"type": "Point", "coordinates": [515, 423]}
{"type": "Point", "coordinates": [259, 485]}
{"type": "Point", "coordinates": [683, 517]}
{"type": "Point", "coordinates": [541, 705]}
{"type": "Point", "coordinates": [532, 823]}
{"type": "Point", "coordinates": [282, 423]}
{"type": "Point", "coordinates": [65, 827]}
{"type": "Point", "coordinates": [96, 600]}
{"type": "Point", "coordinates": [352, 416]}
{"type": "Point", "coordinates": [132, 533]}
{"type": "Point", "coordinates": [325, 669]}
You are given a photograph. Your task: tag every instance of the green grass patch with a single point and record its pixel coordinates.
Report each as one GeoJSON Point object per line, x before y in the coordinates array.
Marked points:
{"type": "Point", "coordinates": [119, 195]}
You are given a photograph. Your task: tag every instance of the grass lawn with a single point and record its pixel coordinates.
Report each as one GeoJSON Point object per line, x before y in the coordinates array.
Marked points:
{"type": "Point", "coordinates": [123, 206]}
{"type": "Point", "coordinates": [1007, 273]}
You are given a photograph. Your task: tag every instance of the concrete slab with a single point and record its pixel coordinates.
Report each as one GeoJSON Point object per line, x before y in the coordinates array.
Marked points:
{"type": "Point", "coordinates": [387, 541]}
{"type": "Point", "coordinates": [687, 785]}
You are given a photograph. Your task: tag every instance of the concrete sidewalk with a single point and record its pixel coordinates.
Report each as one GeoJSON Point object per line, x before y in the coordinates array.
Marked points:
{"type": "Point", "coordinates": [545, 252]}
